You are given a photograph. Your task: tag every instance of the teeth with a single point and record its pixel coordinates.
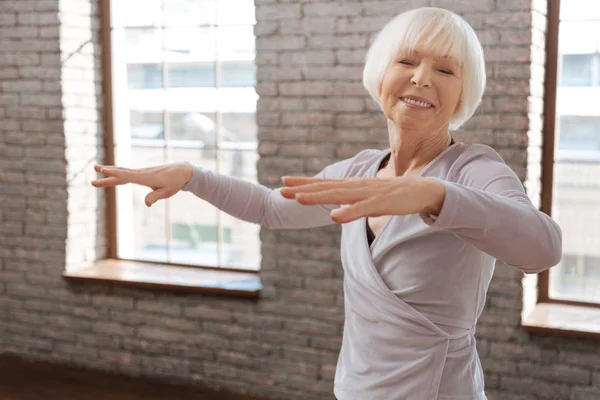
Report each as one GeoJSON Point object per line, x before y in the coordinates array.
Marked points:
{"type": "Point", "coordinates": [416, 102]}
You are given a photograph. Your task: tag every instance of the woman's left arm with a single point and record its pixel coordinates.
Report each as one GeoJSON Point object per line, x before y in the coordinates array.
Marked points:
{"type": "Point", "coordinates": [486, 205]}
{"type": "Point", "coordinates": [482, 201]}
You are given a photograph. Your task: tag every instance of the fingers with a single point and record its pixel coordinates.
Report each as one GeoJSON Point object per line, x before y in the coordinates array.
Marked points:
{"type": "Point", "coordinates": [334, 196]}
{"type": "Point", "coordinates": [322, 185]}
{"type": "Point", "coordinates": [365, 208]}
{"type": "Point", "coordinates": [107, 182]}
{"type": "Point", "coordinates": [292, 192]}
{"type": "Point", "coordinates": [292, 181]}
{"type": "Point", "coordinates": [142, 176]}
{"type": "Point", "coordinates": [116, 172]}
{"type": "Point", "coordinates": [158, 194]}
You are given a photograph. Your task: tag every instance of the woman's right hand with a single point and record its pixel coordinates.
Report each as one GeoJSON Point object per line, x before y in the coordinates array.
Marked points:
{"type": "Point", "coordinates": [164, 180]}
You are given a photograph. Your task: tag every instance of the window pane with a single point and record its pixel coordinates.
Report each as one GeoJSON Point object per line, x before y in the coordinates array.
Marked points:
{"type": "Point", "coordinates": [578, 133]}
{"type": "Point", "coordinates": [240, 240]}
{"type": "Point", "coordinates": [238, 73]}
{"type": "Point", "coordinates": [190, 45]}
{"type": "Point", "coordinates": [235, 12]}
{"type": "Point", "coordinates": [239, 128]}
{"type": "Point", "coordinates": [194, 126]}
{"type": "Point", "coordinates": [136, 13]}
{"type": "Point", "coordinates": [579, 37]}
{"type": "Point", "coordinates": [592, 270]}
{"type": "Point", "coordinates": [579, 10]}
{"type": "Point", "coordinates": [576, 70]}
{"type": "Point", "coordinates": [191, 75]}
{"type": "Point", "coordinates": [146, 125]}
{"type": "Point", "coordinates": [576, 186]}
{"type": "Point", "coordinates": [189, 12]}
{"type": "Point", "coordinates": [236, 42]}
{"type": "Point", "coordinates": [194, 223]}
{"type": "Point", "coordinates": [575, 208]}
{"type": "Point", "coordinates": [143, 45]}
{"type": "Point", "coordinates": [144, 76]}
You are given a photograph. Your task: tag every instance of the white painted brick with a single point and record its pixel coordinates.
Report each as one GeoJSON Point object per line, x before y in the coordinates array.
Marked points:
{"type": "Point", "coordinates": [276, 74]}
{"type": "Point", "coordinates": [391, 8]}
{"type": "Point", "coordinates": [312, 57]}
{"type": "Point", "coordinates": [306, 89]}
{"type": "Point", "coordinates": [338, 41]}
{"type": "Point", "coordinates": [8, 19]}
{"type": "Point", "coordinates": [351, 57]}
{"type": "Point", "coordinates": [266, 28]}
{"type": "Point", "coordinates": [361, 24]}
{"type": "Point", "coordinates": [336, 9]}
{"type": "Point", "coordinates": [309, 26]}
{"type": "Point", "coordinates": [280, 43]}
{"type": "Point", "coordinates": [338, 73]}
{"type": "Point", "coordinates": [278, 12]}
{"type": "Point", "coordinates": [347, 104]}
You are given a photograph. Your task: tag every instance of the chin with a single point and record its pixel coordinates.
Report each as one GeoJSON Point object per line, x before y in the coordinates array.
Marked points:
{"type": "Point", "coordinates": [408, 123]}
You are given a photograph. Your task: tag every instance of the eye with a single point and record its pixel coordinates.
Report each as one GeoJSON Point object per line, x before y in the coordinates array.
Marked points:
{"type": "Point", "coordinates": [446, 72]}
{"type": "Point", "coordinates": [407, 62]}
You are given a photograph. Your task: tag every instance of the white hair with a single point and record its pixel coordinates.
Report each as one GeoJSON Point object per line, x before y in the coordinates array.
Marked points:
{"type": "Point", "coordinates": [440, 31]}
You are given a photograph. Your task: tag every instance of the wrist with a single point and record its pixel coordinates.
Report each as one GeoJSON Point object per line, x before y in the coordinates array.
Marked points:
{"type": "Point", "coordinates": [436, 194]}
{"type": "Point", "coordinates": [188, 172]}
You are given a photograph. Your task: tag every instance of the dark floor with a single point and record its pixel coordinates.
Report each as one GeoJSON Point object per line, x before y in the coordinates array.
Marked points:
{"type": "Point", "coordinates": [20, 380]}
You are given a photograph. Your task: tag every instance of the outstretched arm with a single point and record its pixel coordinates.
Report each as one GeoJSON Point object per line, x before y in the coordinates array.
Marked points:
{"type": "Point", "coordinates": [486, 205]}
{"type": "Point", "coordinates": [483, 202]}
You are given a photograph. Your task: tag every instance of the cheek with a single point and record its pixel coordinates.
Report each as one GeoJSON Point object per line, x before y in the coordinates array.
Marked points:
{"type": "Point", "coordinates": [452, 97]}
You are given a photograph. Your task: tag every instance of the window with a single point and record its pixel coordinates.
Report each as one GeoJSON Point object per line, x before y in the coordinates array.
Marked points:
{"type": "Point", "coordinates": [572, 182]}
{"type": "Point", "coordinates": [183, 88]}
{"type": "Point", "coordinates": [577, 70]}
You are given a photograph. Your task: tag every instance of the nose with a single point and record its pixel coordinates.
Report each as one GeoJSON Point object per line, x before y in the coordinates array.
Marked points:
{"type": "Point", "coordinates": [421, 77]}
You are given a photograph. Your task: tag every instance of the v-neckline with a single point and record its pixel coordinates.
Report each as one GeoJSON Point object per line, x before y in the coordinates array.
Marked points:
{"type": "Point", "coordinates": [372, 173]}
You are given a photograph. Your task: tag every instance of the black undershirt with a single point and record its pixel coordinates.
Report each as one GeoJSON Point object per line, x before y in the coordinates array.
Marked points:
{"type": "Point", "coordinates": [383, 164]}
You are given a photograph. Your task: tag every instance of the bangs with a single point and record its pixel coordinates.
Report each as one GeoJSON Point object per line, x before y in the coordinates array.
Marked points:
{"type": "Point", "coordinates": [440, 35]}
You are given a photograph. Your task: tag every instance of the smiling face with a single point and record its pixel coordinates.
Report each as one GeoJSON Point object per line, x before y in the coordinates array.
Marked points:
{"type": "Point", "coordinates": [421, 90]}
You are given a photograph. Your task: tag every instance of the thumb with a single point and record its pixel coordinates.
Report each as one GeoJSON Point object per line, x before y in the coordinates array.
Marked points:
{"type": "Point", "coordinates": [155, 195]}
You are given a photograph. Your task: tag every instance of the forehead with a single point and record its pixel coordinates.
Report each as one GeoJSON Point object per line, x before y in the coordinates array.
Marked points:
{"type": "Point", "coordinates": [428, 52]}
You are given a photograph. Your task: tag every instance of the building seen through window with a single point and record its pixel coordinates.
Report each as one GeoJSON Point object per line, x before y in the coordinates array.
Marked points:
{"type": "Point", "coordinates": [576, 186]}
{"type": "Point", "coordinates": [184, 89]}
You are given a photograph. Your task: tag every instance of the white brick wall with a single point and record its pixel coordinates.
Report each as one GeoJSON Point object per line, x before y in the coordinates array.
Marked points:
{"type": "Point", "coordinates": [313, 110]}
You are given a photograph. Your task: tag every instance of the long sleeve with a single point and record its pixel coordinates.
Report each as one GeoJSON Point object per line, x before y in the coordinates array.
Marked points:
{"type": "Point", "coordinates": [258, 204]}
{"type": "Point", "coordinates": [486, 205]}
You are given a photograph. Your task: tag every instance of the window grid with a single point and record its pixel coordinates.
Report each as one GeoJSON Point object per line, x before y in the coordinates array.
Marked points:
{"type": "Point", "coordinates": [168, 143]}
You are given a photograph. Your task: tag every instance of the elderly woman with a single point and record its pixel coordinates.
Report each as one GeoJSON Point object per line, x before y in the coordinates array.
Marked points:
{"type": "Point", "coordinates": [422, 226]}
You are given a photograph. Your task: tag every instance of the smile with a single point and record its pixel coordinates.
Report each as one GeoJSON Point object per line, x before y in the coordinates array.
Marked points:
{"type": "Point", "coordinates": [417, 103]}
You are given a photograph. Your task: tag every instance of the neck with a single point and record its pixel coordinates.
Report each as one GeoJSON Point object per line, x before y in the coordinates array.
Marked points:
{"type": "Point", "coordinates": [413, 150]}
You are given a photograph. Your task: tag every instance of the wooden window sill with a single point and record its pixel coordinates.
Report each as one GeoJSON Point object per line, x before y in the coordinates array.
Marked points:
{"type": "Point", "coordinates": [564, 320]}
{"type": "Point", "coordinates": [169, 277]}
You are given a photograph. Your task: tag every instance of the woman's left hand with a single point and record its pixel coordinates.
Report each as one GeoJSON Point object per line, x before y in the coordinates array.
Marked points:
{"type": "Point", "coordinates": [368, 197]}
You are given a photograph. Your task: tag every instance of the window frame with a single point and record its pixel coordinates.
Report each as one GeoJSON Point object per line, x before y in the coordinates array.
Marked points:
{"type": "Point", "coordinates": [111, 214]}
{"type": "Point", "coordinates": [549, 143]}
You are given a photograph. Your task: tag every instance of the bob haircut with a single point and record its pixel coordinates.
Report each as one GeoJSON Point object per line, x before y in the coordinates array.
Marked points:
{"type": "Point", "coordinates": [440, 31]}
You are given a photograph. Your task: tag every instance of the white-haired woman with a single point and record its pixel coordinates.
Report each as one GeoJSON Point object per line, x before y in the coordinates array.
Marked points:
{"type": "Point", "coordinates": [421, 230]}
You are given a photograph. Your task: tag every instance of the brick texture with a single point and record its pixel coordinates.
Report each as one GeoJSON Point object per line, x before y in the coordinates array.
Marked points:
{"type": "Point", "coordinates": [312, 111]}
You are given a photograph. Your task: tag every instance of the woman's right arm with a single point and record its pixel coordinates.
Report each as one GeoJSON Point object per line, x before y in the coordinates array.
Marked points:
{"type": "Point", "coordinates": [255, 203]}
